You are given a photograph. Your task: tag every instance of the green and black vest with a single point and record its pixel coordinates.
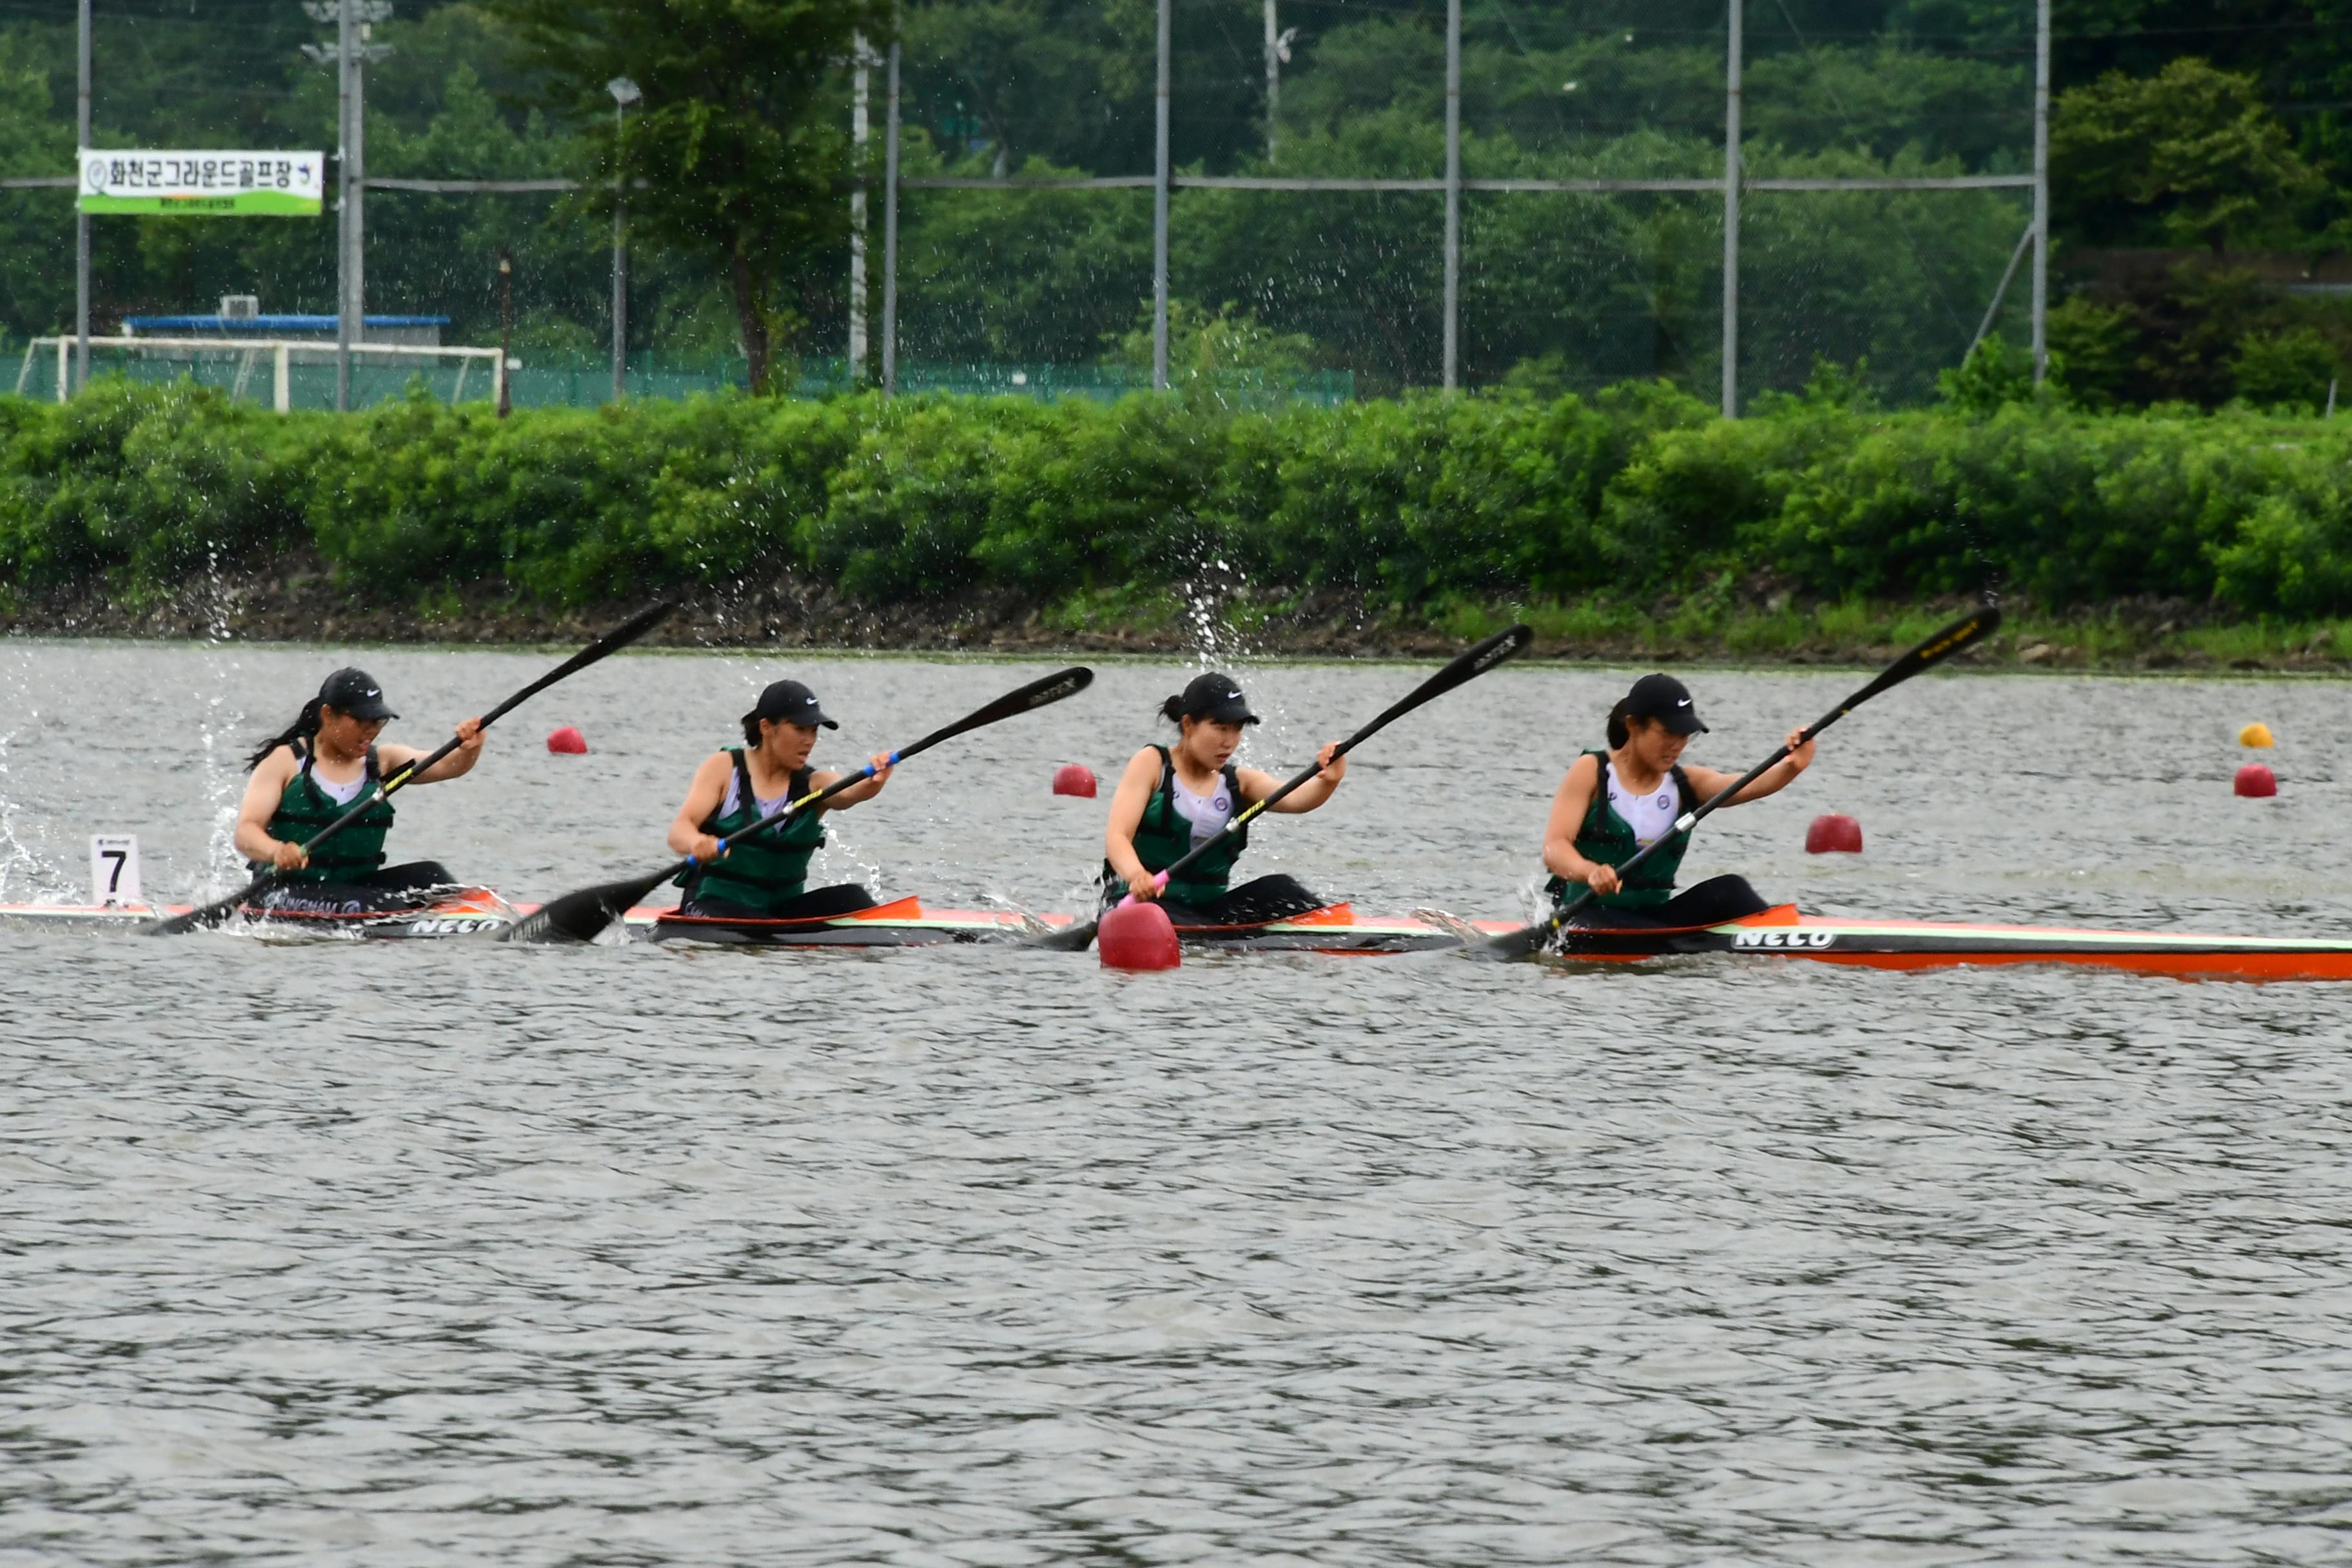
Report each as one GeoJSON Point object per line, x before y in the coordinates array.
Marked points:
{"type": "Point", "coordinates": [765, 872]}
{"type": "Point", "coordinates": [1164, 836]}
{"type": "Point", "coordinates": [305, 810]}
{"type": "Point", "coordinates": [1608, 838]}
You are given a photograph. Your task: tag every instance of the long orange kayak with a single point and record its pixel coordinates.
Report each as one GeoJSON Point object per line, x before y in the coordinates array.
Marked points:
{"type": "Point", "coordinates": [1781, 932]}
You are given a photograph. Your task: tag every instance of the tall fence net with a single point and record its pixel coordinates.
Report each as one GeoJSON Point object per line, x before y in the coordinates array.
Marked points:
{"type": "Point", "coordinates": [1014, 280]}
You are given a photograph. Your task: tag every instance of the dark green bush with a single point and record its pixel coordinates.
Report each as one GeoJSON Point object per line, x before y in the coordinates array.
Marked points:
{"type": "Point", "coordinates": [1636, 491]}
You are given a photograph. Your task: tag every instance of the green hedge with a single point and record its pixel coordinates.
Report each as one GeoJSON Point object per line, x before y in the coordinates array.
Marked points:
{"type": "Point", "coordinates": [1635, 491]}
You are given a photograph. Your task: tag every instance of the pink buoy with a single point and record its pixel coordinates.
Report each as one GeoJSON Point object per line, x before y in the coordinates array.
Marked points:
{"type": "Point", "coordinates": [1833, 835]}
{"type": "Point", "coordinates": [2255, 782]}
{"type": "Point", "coordinates": [1137, 936]}
{"type": "Point", "coordinates": [1072, 778]}
{"type": "Point", "coordinates": [567, 741]}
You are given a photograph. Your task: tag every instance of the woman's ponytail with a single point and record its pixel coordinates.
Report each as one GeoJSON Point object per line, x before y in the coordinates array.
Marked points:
{"type": "Point", "coordinates": [1617, 733]}
{"type": "Point", "coordinates": [305, 725]}
{"type": "Point", "coordinates": [1174, 711]}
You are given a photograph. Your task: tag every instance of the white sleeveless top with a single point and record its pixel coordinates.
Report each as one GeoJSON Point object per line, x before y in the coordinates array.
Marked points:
{"type": "Point", "coordinates": [1650, 816]}
{"type": "Point", "coordinates": [1208, 813]}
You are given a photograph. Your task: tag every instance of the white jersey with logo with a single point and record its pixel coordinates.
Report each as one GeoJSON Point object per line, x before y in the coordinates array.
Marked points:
{"type": "Point", "coordinates": [1208, 813]}
{"type": "Point", "coordinates": [1650, 815]}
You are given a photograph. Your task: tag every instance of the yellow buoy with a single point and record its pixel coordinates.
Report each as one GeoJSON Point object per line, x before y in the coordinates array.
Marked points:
{"type": "Point", "coordinates": [2255, 734]}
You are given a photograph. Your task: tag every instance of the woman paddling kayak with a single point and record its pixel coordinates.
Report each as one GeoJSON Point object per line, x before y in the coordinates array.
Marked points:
{"type": "Point", "coordinates": [312, 772]}
{"type": "Point", "coordinates": [1171, 798]}
{"type": "Point", "coordinates": [1614, 802]}
{"type": "Point", "coordinates": [765, 877]}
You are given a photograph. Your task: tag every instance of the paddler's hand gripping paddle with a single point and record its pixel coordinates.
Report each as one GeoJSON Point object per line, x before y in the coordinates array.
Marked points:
{"type": "Point", "coordinates": [579, 916]}
{"type": "Point", "coordinates": [409, 771]}
{"type": "Point", "coordinates": [1467, 667]}
{"type": "Point", "coordinates": [1962, 634]}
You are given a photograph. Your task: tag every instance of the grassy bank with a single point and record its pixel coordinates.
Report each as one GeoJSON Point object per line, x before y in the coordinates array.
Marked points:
{"type": "Point", "coordinates": [1632, 524]}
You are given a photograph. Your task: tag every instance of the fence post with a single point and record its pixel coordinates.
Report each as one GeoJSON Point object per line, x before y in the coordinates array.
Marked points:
{"type": "Point", "coordinates": [342, 205]}
{"type": "Point", "coordinates": [858, 97]}
{"type": "Point", "coordinates": [65, 346]}
{"type": "Point", "coordinates": [2040, 190]}
{"type": "Point", "coordinates": [1159, 213]}
{"type": "Point", "coordinates": [1731, 173]}
{"type": "Point", "coordinates": [282, 381]}
{"type": "Point", "coordinates": [81, 218]}
{"type": "Point", "coordinates": [1453, 192]}
{"type": "Point", "coordinates": [890, 236]}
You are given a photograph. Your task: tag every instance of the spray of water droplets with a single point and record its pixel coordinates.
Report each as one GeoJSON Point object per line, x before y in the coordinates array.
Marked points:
{"type": "Point", "coordinates": [223, 785]}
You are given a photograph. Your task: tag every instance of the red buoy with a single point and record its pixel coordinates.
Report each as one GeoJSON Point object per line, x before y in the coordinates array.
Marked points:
{"type": "Point", "coordinates": [2256, 781]}
{"type": "Point", "coordinates": [1833, 835]}
{"type": "Point", "coordinates": [569, 741]}
{"type": "Point", "coordinates": [1137, 936]}
{"type": "Point", "coordinates": [1071, 778]}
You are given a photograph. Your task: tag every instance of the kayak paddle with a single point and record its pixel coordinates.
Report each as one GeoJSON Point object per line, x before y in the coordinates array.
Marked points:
{"type": "Point", "coordinates": [1467, 667]}
{"type": "Point", "coordinates": [578, 915]}
{"type": "Point", "coordinates": [621, 637]}
{"type": "Point", "coordinates": [1965, 633]}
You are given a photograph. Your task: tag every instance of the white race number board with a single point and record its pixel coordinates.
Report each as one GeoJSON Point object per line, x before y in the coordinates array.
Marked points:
{"type": "Point", "coordinates": [114, 868]}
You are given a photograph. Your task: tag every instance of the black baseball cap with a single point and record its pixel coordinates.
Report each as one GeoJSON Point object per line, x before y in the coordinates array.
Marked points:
{"type": "Point", "coordinates": [1216, 698]}
{"type": "Point", "coordinates": [1666, 700]}
{"type": "Point", "coordinates": [790, 702]}
{"type": "Point", "coordinates": [353, 692]}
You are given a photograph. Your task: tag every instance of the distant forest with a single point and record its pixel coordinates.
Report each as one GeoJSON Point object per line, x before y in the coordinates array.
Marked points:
{"type": "Point", "coordinates": [2203, 161]}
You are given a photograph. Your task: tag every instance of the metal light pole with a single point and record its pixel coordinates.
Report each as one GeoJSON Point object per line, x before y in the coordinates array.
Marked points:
{"type": "Point", "coordinates": [1159, 215]}
{"type": "Point", "coordinates": [2040, 190]}
{"type": "Point", "coordinates": [1731, 216]}
{"type": "Point", "coordinates": [349, 56]}
{"type": "Point", "coordinates": [506, 330]}
{"type": "Point", "coordinates": [343, 208]}
{"type": "Point", "coordinates": [625, 93]}
{"type": "Point", "coordinates": [857, 138]}
{"type": "Point", "coordinates": [81, 219]}
{"type": "Point", "coordinates": [1277, 55]}
{"type": "Point", "coordinates": [890, 235]}
{"type": "Point", "coordinates": [1453, 192]}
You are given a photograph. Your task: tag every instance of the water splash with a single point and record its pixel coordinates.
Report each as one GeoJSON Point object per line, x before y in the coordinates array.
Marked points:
{"type": "Point", "coordinates": [24, 877]}
{"type": "Point", "coordinates": [1209, 593]}
{"type": "Point", "coordinates": [223, 788]}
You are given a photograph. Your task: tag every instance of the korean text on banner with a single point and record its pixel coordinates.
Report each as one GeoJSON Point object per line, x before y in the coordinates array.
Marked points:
{"type": "Point", "coordinates": [203, 184]}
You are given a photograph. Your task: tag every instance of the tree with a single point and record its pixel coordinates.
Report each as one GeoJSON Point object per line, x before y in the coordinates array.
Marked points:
{"type": "Point", "coordinates": [736, 150]}
{"type": "Point", "coordinates": [2194, 149]}
{"type": "Point", "coordinates": [2282, 369]}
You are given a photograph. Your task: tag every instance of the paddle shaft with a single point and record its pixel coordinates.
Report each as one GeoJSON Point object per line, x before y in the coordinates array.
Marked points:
{"type": "Point", "coordinates": [1961, 633]}
{"type": "Point", "coordinates": [416, 767]}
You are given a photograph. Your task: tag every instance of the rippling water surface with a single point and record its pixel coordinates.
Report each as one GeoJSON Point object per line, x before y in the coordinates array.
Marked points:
{"type": "Point", "coordinates": [437, 1253]}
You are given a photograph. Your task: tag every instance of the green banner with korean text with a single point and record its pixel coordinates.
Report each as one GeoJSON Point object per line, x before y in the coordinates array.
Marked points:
{"type": "Point", "coordinates": [202, 184]}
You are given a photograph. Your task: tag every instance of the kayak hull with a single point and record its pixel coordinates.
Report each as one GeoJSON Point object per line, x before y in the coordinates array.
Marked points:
{"type": "Point", "coordinates": [907, 922]}
{"type": "Point", "coordinates": [475, 911]}
{"type": "Point", "coordinates": [1783, 933]}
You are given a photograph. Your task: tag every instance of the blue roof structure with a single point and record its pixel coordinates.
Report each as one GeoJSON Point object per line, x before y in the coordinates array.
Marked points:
{"type": "Point", "coordinates": [266, 324]}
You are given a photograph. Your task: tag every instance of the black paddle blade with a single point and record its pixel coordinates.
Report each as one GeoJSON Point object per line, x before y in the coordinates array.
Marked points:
{"type": "Point", "coordinates": [212, 913]}
{"type": "Point", "coordinates": [619, 637]}
{"type": "Point", "coordinates": [1466, 666]}
{"type": "Point", "coordinates": [582, 915]}
{"type": "Point", "coordinates": [1075, 938]}
{"type": "Point", "coordinates": [1022, 700]}
{"type": "Point", "coordinates": [1957, 638]}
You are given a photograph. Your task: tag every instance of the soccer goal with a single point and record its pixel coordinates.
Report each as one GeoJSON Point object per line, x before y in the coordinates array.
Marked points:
{"type": "Point", "coordinates": [289, 372]}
